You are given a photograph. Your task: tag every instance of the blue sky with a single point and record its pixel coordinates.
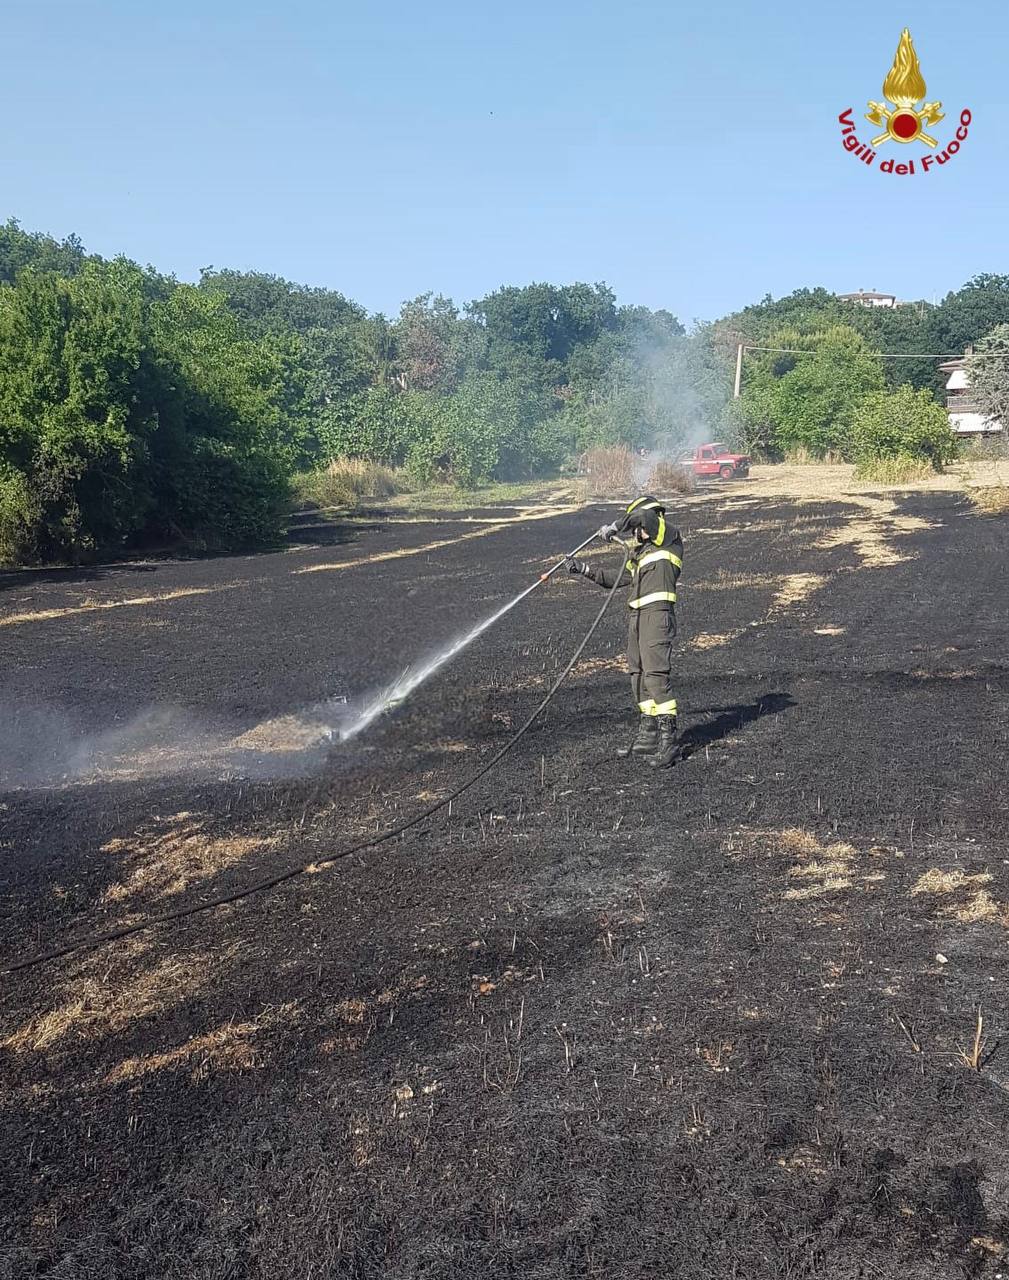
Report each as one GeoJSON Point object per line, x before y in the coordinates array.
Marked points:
{"type": "Point", "coordinates": [688, 155]}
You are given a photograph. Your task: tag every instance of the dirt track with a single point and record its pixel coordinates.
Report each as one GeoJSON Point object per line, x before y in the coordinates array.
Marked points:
{"type": "Point", "coordinates": [598, 1021]}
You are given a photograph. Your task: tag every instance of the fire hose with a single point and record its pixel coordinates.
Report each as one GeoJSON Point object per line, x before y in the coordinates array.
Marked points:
{"type": "Point", "coordinates": [281, 877]}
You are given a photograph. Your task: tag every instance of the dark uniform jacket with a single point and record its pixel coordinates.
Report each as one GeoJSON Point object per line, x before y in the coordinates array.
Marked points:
{"type": "Point", "coordinates": [651, 570]}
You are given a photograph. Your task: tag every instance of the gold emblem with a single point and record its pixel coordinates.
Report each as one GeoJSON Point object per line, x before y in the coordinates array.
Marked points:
{"type": "Point", "coordinates": [904, 87]}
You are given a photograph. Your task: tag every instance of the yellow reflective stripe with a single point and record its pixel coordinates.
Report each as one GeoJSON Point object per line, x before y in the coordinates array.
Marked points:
{"type": "Point", "coordinates": [632, 566]}
{"type": "Point", "coordinates": [665, 708]}
{"type": "Point", "coordinates": [653, 598]}
{"type": "Point", "coordinates": [649, 506]}
{"type": "Point", "coordinates": [648, 707]}
{"type": "Point", "coordinates": [660, 555]}
{"type": "Point", "coordinates": [662, 531]}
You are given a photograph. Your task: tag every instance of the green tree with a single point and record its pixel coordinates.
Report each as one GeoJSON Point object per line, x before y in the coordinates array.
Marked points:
{"type": "Point", "coordinates": [427, 350]}
{"type": "Point", "coordinates": [988, 374]}
{"type": "Point", "coordinates": [74, 435]}
{"type": "Point", "coordinates": [229, 436]}
{"type": "Point", "coordinates": [532, 331]}
{"type": "Point", "coordinates": [20, 249]}
{"type": "Point", "coordinates": [971, 312]}
{"type": "Point", "coordinates": [906, 423]}
{"type": "Point", "coordinates": [267, 303]}
{"type": "Point", "coordinates": [805, 396]}
{"type": "Point", "coordinates": [488, 429]}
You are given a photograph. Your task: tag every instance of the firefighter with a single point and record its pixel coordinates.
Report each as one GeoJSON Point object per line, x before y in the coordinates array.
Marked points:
{"type": "Point", "coordinates": [651, 571]}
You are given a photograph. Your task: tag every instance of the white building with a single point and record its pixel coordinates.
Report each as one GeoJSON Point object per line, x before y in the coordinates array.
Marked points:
{"type": "Point", "coordinates": [869, 298]}
{"type": "Point", "coordinates": [964, 417]}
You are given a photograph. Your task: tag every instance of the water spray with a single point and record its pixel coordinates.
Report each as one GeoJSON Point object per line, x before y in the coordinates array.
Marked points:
{"type": "Point", "coordinates": [271, 882]}
{"type": "Point", "coordinates": [401, 688]}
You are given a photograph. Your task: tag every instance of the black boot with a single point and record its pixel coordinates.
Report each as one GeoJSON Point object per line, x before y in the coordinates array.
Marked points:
{"type": "Point", "coordinates": [665, 749]}
{"type": "Point", "coordinates": [645, 740]}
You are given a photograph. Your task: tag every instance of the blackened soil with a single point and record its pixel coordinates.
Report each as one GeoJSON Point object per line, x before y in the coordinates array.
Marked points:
{"type": "Point", "coordinates": [599, 1020]}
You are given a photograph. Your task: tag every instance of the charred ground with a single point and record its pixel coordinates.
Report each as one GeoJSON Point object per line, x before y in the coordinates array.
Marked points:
{"type": "Point", "coordinates": [597, 1021]}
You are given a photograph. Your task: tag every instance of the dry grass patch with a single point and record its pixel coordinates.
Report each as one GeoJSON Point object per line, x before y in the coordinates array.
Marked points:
{"type": "Point", "coordinates": [669, 477]}
{"type": "Point", "coordinates": [607, 472]}
{"type": "Point", "coordinates": [713, 640]}
{"type": "Point", "coordinates": [758, 526]}
{"type": "Point", "coordinates": [92, 606]}
{"type": "Point", "coordinates": [593, 666]}
{"type": "Point", "coordinates": [229, 1047]}
{"type": "Point", "coordinates": [871, 536]}
{"type": "Point", "coordinates": [796, 588]}
{"type": "Point", "coordinates": [283, 734]}
{"type": "Point", "coordinates": [726, 580]}
{"type": "Point", "coordinates": [992, 500]}
{"type": "Point", "coordinates": [977, 906]}
{"type": "Point", "coordinates": [167, 855]}
{"type": "Point", "coordinates": [818, 869]}
{"type": "Point", "coordinates": [103, 1006]}
{"type": "Point", "coordinates": [403, 552]}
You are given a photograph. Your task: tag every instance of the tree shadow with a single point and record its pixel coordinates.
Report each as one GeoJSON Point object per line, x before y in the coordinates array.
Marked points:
{"type": "Point", "coordinates": [312, 528]}
{"type": "Point", "coordinates": [729, 720]}
{"type": "Point", "coordinates": [11, 578]}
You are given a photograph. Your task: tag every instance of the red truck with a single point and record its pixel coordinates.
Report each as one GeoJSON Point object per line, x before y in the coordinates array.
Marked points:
{"type": "Point", "coordinates": [715, 460]}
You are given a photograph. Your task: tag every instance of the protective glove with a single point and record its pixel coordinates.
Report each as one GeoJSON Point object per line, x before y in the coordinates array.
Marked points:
{"type": "Point", "coordinates": [607, 532]}
{"type": "Point", "coordinates": [577, 566]}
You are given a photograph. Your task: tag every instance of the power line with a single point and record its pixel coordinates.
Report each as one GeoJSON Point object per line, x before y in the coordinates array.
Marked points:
{"type": "Point", "coordinates": [885, 355]}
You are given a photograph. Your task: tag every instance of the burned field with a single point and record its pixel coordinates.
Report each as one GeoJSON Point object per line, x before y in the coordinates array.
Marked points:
{"type": "Point", "coordinates": [596, 1020]}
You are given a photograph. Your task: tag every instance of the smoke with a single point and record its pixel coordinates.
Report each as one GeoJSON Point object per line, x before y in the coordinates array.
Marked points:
{"type": "Point", "coordinates": [49, 747]}
{"type": "Point", "coordinates": [683, 407]}
{"type": "Point", "coordinates": [44, 747]}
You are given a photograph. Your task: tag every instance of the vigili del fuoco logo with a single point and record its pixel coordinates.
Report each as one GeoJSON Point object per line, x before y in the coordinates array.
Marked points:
{"type": "Point", "coordinates": [908, 120]}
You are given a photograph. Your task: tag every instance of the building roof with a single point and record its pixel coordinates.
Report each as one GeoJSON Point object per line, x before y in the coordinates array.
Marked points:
{"type": "Point", "coordinates": [866, 293]}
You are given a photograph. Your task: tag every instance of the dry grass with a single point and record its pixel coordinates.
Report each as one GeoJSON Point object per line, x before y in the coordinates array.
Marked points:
{"type": "Point", "coordinates": [978, 906]}
{"type": "Point", "coordinates": [169, 854]}
{"type": "Point", "coordinates": [871, 536]}
{"type": "Point", "coordinates": [894, 472]}
{"type": "Point", "coordinates": [938, 881]}
{"type": "Point", "coordinates": [993, 500]}
{"type": "Point", "coordinates": [972, 1056]}
{"type": "Point", "coordinates": [281, 735]}
{"type": "Point", "coordinates": [819, 869]}
{"type": "Point", "coordinates": [102, 1006]}
{"type": "Point", "coordinates": [91, 605]}
{"type": "Point", "coordinates": [228, 1048]}
{"type": "Point", "coordinates": [712, 640]}
{"type": "Point", "coordinates": [344, 482]}
{"type": "Point", "coordinates": [796, 588]}
{"type": "Point", "coordinates": [594, 666]}
{"type": "Point", "coordinates": [667, 477]}
{"type": "Point", "coordinates": [607, 472]}
{"type": "Point", "coordinates": [726, 580]}
{"type": "Point", "coordinates": [525, 516]}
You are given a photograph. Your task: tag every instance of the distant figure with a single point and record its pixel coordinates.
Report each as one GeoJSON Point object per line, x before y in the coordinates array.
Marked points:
{"type": "Point", "coordinates": [652, 571]}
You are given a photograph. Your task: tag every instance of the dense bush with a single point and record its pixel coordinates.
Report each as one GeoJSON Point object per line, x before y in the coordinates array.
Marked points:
{"type": "Point", "coordinates": [133, 407]}
{"type": "Point", "coordinates": [906, 425]}
{"type": "Point", "coordinates": [123, 419]}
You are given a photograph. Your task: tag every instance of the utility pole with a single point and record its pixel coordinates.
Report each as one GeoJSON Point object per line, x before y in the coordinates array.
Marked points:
{"type": "Point", "coordinates": [739, 371]}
